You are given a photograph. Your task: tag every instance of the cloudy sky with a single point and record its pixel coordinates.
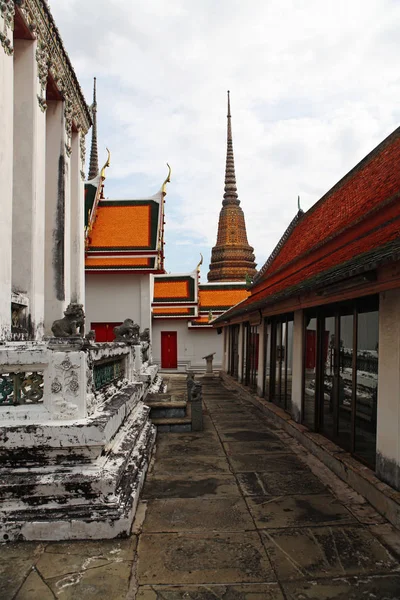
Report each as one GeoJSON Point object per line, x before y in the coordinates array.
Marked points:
{"type": "Point", "coordinates": [315, 85]}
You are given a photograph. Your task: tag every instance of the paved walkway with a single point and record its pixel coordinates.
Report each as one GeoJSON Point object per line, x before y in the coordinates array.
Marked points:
{"type": "Point", "coordinates": [240, 511]}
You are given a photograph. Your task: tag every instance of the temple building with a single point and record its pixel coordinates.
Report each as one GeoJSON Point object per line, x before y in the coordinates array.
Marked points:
{"type": "Point", "coordinates": [125, 274]}
{"type": "Point", "coordinates": [319, 334]}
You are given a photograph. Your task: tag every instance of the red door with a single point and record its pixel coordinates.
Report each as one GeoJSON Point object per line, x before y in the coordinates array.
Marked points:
{"type": "Point", "coordinates": [104, 331]}
{"type": "Point", "coordinates": [169, 350]}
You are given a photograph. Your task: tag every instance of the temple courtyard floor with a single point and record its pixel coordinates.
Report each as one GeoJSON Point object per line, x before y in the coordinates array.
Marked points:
{"type": "Point", "coordinates": [240, 511]}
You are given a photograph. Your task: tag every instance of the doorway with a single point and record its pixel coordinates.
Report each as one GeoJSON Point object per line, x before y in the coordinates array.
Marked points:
{"type": "Point", "coordinates": [169, 350]}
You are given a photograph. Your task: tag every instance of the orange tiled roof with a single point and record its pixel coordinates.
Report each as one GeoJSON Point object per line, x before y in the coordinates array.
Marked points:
{"type": "Point", "coordinates": [117, 262]}
{"type": "Point", "coordinates": [201, 321]}
{"type": "Point", "coordinates": [374, 181]}
{"type": "Point", "coordinates": [171, 289]}
{"type": "Point", "coordinates": [126, 224]}
{"type": "Point", "coordinates": [183, 310]}
{"type": "Point", "coordinates": [175, 288]}
{"type": "Point", "coordinates": [222, 298]}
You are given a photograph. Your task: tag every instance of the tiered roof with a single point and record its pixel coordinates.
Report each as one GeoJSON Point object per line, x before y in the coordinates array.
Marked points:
{"type": "Point", "coordinates": [215, 299]}
{"type": "Point", "coordinates": [182, 296]}
{"type": "Point", "coordinates": [175, 296]}
{"type": "Point", "coordinates": [353, 228]}
{"type": "Point", "coordinates": [126, 235]}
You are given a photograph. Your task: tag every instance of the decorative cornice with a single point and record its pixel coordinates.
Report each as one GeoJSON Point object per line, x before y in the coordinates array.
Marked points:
{"type": "Point", "coordinates": [82, 146]}
{"type": "Point", "coordinates": [7, 11]}
{"type": "Point", "coordinates": [53, 59]}
{"type": "Point", "coordinates": [43, 64]}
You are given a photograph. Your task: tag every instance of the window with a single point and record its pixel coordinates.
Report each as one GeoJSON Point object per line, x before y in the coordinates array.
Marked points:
{"type": "Point", "coordinates": [340, 374]}
{"type": "Point", "coordinates": [278, 359]}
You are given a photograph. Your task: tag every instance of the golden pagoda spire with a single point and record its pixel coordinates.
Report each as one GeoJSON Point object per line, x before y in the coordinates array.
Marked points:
{"type": "Point", "coordinates": [232, 257]}
{"type": "Point", "coordinates": [230, 195]}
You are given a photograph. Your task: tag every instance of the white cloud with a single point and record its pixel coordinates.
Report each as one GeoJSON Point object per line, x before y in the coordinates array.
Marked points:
{"type": "Point", "coordinates": [314, 87]}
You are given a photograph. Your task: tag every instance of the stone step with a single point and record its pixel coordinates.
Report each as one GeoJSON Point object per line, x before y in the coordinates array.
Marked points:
{"type": "Point", "coordinates": [150, 398]}
{"type": "Point", "coordinates": [172, 421]}
{"type": "Point", "coordinates": [167, 404]}
{"type": "Point", "coordinates": [168, 412]}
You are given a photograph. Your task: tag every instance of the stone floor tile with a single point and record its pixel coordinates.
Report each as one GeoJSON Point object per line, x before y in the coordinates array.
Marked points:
{"type": "Point", "coordinates": [326, 552]}
{"type": "Point", "coordinates": [182, 447]}
{"type": "Point", "coordinates": [270, 463]}
{"type": "Point", "coordinates": [202, 558]}
{"type": "Point", "coordinates": [16, 561]}
{"type": "Point", "coordinates": [256, 427]}
{"type": "Point", "coordinates": [280, 484]}
{"type": "Point", "coordinates": [247, 435]}
{"type": "Point", "coordinates": [69, 557]}
{"type": "Point", "coordinates": [191, 465]}
{"type": "Point", "coordinates": [232, 448]}
{"type": "Point", "coordinates": [298, 511]}
{"type": "Point", "coordinates": [346, 588]}
{"type": "Point", "coordinates": [107, 582]}
{"type": "Point", "coordinates": [197, 515]}
{"type": "Point", "coordinates": [193, 486]}
{"type": "Point", "coordinates": [33, 588]}
{"type": "Point", "coordinates": [267, 591]}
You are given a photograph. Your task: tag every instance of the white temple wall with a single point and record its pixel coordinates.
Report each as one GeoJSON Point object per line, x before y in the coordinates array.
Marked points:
{"type": "Point", "coordinates": [28, 184]}
{"type": "Point", "coordinates": [6, 184]}
{"type": "Point", "coordinates": [114, 297]}
{"type": "Point", "coordinates": [192, 344]}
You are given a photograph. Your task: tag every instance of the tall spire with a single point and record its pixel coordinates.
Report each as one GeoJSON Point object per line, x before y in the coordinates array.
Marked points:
{"type": "Point", "coordinates": [94, 157]}
{"type": "Point", "coordinates": [232, 257]}
{"type": "Point", "coordinates": [230, 195]}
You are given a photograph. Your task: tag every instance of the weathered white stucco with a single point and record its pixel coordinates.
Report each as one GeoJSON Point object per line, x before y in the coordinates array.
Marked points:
{"type": "Point", "coordinates": [77, 224]}
{"type": "Point", "coordinates": [55, 298]}
{"type": "Point", "coordinates": [29, 183]}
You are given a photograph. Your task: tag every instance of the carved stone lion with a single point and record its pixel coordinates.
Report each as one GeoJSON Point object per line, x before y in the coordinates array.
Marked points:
{"type": "Point", "coordinates": [72, 324]}
{"type": "Point", "coordinates": [145, 335]}
{"type": "Point", "coordinates": [127, 332]}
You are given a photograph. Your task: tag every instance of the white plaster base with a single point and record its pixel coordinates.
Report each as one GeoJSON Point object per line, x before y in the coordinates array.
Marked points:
{"type": "Point", "coordinates": [91, 495]}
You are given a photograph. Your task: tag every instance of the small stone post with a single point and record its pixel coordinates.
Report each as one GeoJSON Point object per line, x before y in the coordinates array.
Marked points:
{"type": "Point", "coordinates": [195, 398]}
{"type": "Point", "coordinates": [209, 361]}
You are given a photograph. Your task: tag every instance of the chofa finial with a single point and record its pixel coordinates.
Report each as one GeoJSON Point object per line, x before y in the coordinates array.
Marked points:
{"type": "Point", "coordinates": [106, 164]}
{"type": "Point", "coordinates": [167, 180]}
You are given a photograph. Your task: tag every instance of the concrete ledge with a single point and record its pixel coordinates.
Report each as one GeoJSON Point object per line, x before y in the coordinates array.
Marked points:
{"type": "Point", "coordinates": [363, 480]}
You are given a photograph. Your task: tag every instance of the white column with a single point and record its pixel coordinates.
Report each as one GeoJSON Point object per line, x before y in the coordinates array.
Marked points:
{"type": "Point", "coordinates": [6, 183]}
{"type": "Point", "coordinates": [57, 269]}
{"type": "Point", "coordinates": [388, 418]}
{"type": "Point", "coordinates": [29, 184]}
{"type": "Point", "coordinates": [145, 303]}
{"type": "Point", "coordinates": [225, 349]}
{"type": "Point", "coordinates": [77, 224]}
{"type": "Point", "coordinates": [297, 366]}
{"type": "Point", "coordinates": [261, 350]}
{"type": "Point", "coordinates": [240, 359]}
